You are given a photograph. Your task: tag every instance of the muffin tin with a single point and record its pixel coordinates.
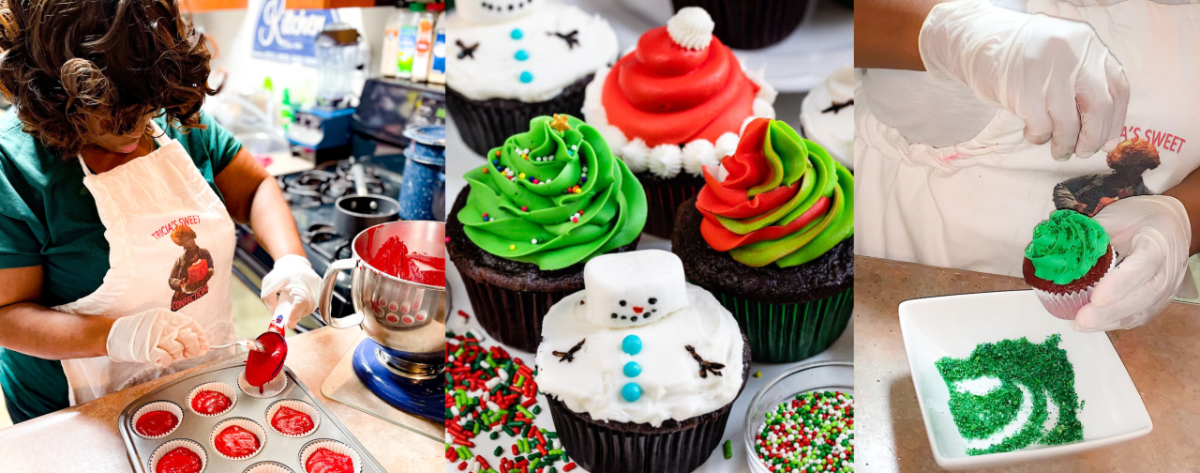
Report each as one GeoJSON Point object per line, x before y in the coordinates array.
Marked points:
{"type": "Point", "coordinates": [277, 449]}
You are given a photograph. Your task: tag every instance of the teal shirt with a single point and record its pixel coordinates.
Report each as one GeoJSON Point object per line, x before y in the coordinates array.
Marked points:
{"type": "Point", "coordinates": [48, 218]}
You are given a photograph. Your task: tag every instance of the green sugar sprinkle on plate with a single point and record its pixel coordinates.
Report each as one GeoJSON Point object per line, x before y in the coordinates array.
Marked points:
{"type": "Point", "coordinates": [1004, 394]}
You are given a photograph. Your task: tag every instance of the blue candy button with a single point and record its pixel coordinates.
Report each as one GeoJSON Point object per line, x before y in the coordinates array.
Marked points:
{"type": "Point", "coordinates": [517, 33]}
{"type": "Point", "coordinates": [521, 55]}
{"type": "Point", "coordinates": [631, 392]}
{"type": "Point", "coordinates": [526, 77]}
{"type": "Point", "coordinates": [633, 369]}
{"type": "Point", "coordinates": [632, 344]}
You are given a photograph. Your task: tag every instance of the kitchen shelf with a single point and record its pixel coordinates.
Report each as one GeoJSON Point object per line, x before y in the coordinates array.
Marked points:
{"type": "Point", "coordinates": [199, 6]}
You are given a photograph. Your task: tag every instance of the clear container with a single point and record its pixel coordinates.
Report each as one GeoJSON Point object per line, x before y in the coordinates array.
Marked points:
{"type": "Point", "coordinates": [803, 378]}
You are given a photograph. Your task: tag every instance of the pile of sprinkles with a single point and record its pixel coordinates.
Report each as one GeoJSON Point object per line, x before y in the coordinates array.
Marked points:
{"type": "Point", "coordinates": [813, 432]}
{"type": "Point", "coordinates": [489, 392]}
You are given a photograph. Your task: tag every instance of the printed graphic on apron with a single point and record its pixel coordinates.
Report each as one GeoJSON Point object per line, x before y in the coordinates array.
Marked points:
{"type": "Point", "coordinates": [1012, 394]}
{"type": "Point", "coordinates": [1089, 193]}
{"type": "Point", "coordinates": [192, 270]}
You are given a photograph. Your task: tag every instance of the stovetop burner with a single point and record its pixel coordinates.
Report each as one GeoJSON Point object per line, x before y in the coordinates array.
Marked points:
{"type": "Point", "coordinates": [316, 187]}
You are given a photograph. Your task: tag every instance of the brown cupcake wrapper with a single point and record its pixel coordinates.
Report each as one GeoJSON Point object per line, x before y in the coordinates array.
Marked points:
{"type": "Point", "coordinates": [599, 448]}
{"type": "Point", "coordinates": [663, 198]}
{"type": "Point", "coordinates": [485, 124]}
{"type": "Point", "coordinates": [512, 317]}
{"type": "Point", "coordinates": [751, 24]}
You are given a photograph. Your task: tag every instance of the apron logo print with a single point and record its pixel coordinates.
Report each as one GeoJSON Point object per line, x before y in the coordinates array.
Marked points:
{"type": "Point", "coordinates": [192, 270]}
{"type": "Point", "coordinates": [1090, 193]}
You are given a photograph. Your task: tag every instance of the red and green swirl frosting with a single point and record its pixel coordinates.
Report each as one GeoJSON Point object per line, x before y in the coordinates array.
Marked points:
{"type": "Point", "coordinates": [784, 200]}
{"type": "Point", "coordinates": [554, 196]}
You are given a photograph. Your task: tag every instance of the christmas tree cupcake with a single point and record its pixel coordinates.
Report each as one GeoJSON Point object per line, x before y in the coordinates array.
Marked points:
{"type": "Point", "coordinates": [513, 60]}
{"type": "Point", "coordinates": [1068, 255]}
{"type": "Point", "coordinates": [673, 105]}
{"type": "Point", "coordinates": [770, 236]}
{"type": "Point", "coordinates": [641, 368]}
{"type": "Point", "coordinates": [546, 202]}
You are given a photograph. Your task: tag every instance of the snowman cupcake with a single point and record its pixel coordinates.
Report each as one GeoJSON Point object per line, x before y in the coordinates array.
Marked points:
{"type": "Point", "coordinates": [673, 105]}
{"type": "Point", "coordinates": [513, 60]}
{"type": "Point", "coordinates": [827, 116]}
{"type": "Point", "coordinates": [640, 368]}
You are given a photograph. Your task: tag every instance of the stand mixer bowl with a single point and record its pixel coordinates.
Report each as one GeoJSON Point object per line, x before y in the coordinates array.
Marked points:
{"type": "Point", "coordinates": [398, 285]}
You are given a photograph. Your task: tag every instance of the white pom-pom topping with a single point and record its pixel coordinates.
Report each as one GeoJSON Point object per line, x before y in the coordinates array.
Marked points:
{"type": "Point", "coordinates": [696, 154]}
{"type": "Point", "coordinates": [691, 28]}
{"type": "Point", "coordinates": [726, 145]}
{"type": "Point", "coordinates": [665, 161]}
{"type": "Point", "coordinates": [635, 153]}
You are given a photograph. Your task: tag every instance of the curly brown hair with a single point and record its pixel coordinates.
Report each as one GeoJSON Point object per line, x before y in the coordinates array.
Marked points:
{"type": "Point", "coordinates": [83, 68]}
{"type": "Point", "coordinates": [181, 231]}
{"type": "Point", "coordinates": [1135, 154]}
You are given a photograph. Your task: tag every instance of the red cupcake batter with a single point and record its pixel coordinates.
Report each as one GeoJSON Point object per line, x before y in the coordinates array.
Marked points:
{"type": "Point", "coordinates": [291, 421]}
{"type": "Point", "coordinates": [236, 442]}
{"type": "Point", "coordinates": [180, 460]}
{"type": "Point", "coordinates": [263, 366]}
{"type": "Point", "coordinates": [326, 461]}
{"type": "Point", "coordinates": [155, 423]}
{"type": "Point", "coordinates": [210, 402]}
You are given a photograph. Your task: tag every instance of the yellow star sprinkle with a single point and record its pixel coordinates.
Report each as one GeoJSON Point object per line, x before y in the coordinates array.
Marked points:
{"type": "Point", "coordinates": [560, 123]}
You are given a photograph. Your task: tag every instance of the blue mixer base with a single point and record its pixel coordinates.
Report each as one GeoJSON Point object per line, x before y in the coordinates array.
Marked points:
{"type": "Point", "coordinates": [423, 398]}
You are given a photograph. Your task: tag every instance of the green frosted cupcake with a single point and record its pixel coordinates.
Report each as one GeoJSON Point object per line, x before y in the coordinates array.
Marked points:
{"type": "Point", "coordinates": [1067, 256]}
{"type": "Point", "coordinates": [770, 235]}
{"type": "Point", "coordinates": [546, 202]}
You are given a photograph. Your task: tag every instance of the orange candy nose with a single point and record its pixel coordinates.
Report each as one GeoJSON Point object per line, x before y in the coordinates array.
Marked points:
{"type": "Point", "coordinates": [638, 310]}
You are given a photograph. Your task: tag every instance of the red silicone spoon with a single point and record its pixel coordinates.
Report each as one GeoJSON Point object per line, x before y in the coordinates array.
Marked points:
{"type": "Point", "coordinates": [263, 366]}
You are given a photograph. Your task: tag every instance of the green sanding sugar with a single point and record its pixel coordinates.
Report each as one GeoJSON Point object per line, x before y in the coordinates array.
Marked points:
{"type": "Point", "coordinates": [1003, 382]}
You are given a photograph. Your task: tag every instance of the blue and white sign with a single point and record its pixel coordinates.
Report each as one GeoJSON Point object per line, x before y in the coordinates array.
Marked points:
{"type": "Point", "coordinates": [284, 35]}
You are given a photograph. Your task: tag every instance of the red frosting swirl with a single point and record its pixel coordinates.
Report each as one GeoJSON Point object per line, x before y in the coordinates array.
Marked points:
{"type": "Point", "coordinates": [664, 93]}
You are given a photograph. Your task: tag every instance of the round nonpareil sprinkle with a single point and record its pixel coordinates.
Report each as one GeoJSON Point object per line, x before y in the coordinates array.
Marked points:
{"type": "Point", "coordinates": [813, 432]}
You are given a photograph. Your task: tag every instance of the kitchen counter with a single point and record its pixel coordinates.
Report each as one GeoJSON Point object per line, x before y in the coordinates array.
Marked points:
{"type": "Point", "coordinates": [1162, 357]}
{"type": "Point", "coordinates": [85, 438]}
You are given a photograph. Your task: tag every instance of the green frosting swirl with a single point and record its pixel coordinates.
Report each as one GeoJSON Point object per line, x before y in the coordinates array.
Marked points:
{"type": "Point", "coordinates": [1066, 247]}
{"type": "Point", "coordinates": [553, 198]}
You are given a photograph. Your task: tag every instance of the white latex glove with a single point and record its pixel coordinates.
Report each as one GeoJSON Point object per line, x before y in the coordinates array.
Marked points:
{"type": "Point", "coordinates": [292, 277]}
{"type": "Point", "coordinates": [156, 336]}
{"type": "Point", "coordinates": [1153, 235]}
{"type": "Point", "coordinates": [1053, 74]}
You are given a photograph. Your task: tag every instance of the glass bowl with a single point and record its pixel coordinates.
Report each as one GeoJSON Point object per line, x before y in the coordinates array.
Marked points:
{"type": "Point", "coordinates": [805, 377]}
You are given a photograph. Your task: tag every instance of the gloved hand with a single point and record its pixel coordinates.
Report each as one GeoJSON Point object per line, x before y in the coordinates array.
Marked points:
{"type": "Point", "coordinates": [1153, 235]}
{"type": "Point", "coordinates": [1052, 73]}
{"type": "Point", "coordinates": [156, 336]}
{"type": "Point", "coordinates": [292, 277]}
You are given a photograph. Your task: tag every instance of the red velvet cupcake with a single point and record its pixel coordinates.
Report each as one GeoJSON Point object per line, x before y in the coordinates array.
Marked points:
{"type": "Point", "coordinates": [1067, 257]}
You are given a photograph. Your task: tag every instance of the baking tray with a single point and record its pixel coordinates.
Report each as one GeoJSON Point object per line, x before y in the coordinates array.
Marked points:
{"type": "Point", "coordinates": [277, 448]}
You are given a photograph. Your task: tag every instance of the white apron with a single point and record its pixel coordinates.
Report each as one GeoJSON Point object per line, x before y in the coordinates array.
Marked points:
{"type": "Point", "coordinates": [974, 205]}
{"type": "Point", "coordinates": [140, 203]}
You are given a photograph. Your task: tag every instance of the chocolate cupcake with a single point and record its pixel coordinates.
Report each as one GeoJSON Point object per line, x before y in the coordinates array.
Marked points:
{"type": "Point", "coordinates": [1068, 255]}
{"type": "Point", "coordinates": [640, 369]}
{"type": "Point", "coordinates": [673, 105]}
{"type": "Point", "coordinates": [545, 203]}
{"type": "Point", "coordinates": [513, 60]}
{"type": "Point", "coordinates": [753, 24]}
{"type": "Point", "coordinates": [770, 237]}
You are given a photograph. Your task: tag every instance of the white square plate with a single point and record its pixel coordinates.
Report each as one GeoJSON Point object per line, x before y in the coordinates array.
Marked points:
{"type": "Point", "coordinates": [952, 326]}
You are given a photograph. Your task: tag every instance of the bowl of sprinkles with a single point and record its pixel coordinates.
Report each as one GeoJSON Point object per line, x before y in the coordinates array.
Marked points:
{"type": "Point", "coordinates": [803, 421]}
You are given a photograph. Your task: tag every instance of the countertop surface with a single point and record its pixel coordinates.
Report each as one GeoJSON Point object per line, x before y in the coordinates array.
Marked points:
{"type": "Point", "coordinates": [85, 438]}
{"type": "Point", "coordinates": [1161, 358]}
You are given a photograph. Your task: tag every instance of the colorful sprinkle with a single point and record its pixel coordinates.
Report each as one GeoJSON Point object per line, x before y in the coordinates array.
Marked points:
{"type": "Point", "coordinates": [633, 369]}
{"type": "Point", "coordinates": [512, 247]}
{"type": "Point", "coordinates": [517, 33]}
{"type": "Point", "coordinates": [758, 374]}
{"type": "Point", "coordinates": [728, 449]}
{"type": "Point", "coordinates": [812, 432]}
{"type": "Point", "coordinates": [631, 392]}
{"type": "Point", "coordinates": [524, 208]}
{"type": "Point", "coordinates": [534, 241]}
{"type": "Point", "coordinates": [526, 77]}
{"type": "Point", "coordinates": [632, 344]}
{"type": "Point", "coordinates": [521, 55]}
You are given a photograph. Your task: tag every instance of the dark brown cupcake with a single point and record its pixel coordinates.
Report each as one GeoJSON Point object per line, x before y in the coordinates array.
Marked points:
{"type": "Point", "coordinates": [627, 447]}
{"type": "Point", "coordinates": [485, 124]}
{"type": "Point", "coordinates": [751, 24]}
{"type": "Point", "coordinates": [509, 298]}
{"type": "Point", "coordinates": [663, 198]}
{"type": "Point", "coordinates": [1088, 280]}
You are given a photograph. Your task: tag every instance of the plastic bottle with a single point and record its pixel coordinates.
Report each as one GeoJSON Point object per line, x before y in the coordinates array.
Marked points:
{"type": "Point", "coordinates": [425, 22]}
{"type": "Point", "coordinates": [437, 67]}
{"type": "Point", "coordinates": [391, 42]}
{"type": "Point", "coordinates": [406, 49]}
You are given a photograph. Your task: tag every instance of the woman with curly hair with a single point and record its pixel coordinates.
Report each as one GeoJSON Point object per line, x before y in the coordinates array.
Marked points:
{"type": "Point", "coordinates": [107, 168]}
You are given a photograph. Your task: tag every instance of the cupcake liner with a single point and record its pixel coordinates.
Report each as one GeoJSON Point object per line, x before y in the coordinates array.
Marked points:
{"type": "Point", "coordinates": [512, 317]}
{"type": "Point", "coordinates": [663, 198]}
{"type": "Point", "coordinates": [268, 467]}
{"type": "Point", "coordinates": [781, 333]}
{"type": "Point", "coordinates": [601, 447]}
{"type": "Point", "coordinates": [244, 423]}
{"type": "Point", "coordinates": [1065, 306]}
{"type": "Point", "coordinates": [223, 388]}
{"type": "Point", "coordinates": [331, 445]}
{"type": "Point", "coordinates": [485, 124]}
{"type": "Point", "coordinates": [170, 445]}
{"type": "Point", "coordinates": [751, 24]}
{"type": "Point", "coordinates": [298, 405]}
{"type": "Point", "coordinates": [156, 406]}
{"type": "Point", "coordinates": [271, 389]}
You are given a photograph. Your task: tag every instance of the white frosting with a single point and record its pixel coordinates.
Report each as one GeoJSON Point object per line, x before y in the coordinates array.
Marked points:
{"type": "Point", "coordinates": [691, 28]}
{"type": "Point", "coordinates": [670, 381]}
{"type": "Point", "coordinates": [833, 131]}
{"type": "Point", "coordinates": [641, 158]}
{"type": "Point", "coordinates": [493, 70]}
{"type": "Point", "coordinates": [634, 291]}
